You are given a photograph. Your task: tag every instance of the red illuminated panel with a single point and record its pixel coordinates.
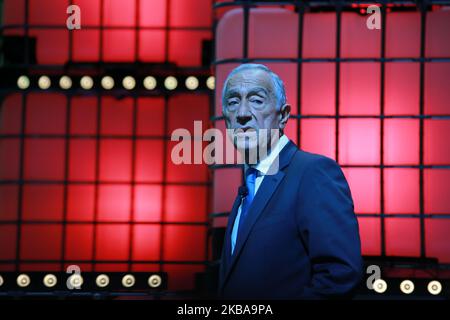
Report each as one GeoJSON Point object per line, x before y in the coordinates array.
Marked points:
{"type": "Point", "coordinates": [437, 95]}
{"type": "Point", "coordinates": [364, 185]}
{"type": "Point", "coordinates": [437, 239]}
{"type": "Point", "coordinates": [150, 116]}
{"type": "Point", "coordinates": [114, 202]}
{"type": "Point", "coordinates": [8, 235]}
{"type": "Point", "coordinates": [83, 115]}
{"type": "Point", "coordinates": [288, 74]}
{"type": "Point", "coordinates": [185, 109]}
{"type": "Point", "coordinates": [226, 184]}
{"type": "Point", "coordinates": [401, 141]}
{"type": "Point", "coordinates": [90, 11]}
{"type": "Point", "coordinates": [90, 17]}
{"type": "Point", "coordinates": [359, 141]}
{"type": "Point", "coordinates": [80, 202]}
{"type": "Point", "coordinates": [318, 88]}
{"type": "Point", "coordinates": [437, 192]}
{"type": "Point", "coordinates": [360, 88]}
{"type": "Point", "coordinates": [190, 13]}
{"type": "Point", "coordinates": [268, 26]}
{"type": "Point", "coordinates": [44, 159]}
{"type": "Point", "coordinates": [369, 231]}
{"type": "Point", "coordinates": [82, 159]}
{"type": "Point", "coordinates": [318, 136]}
{"type": "Point", "coordinates": [401, 191]}
{"type": "Point", "coordinates": [152, 45]}
{"type": "Point", "coordinates": [436, 145]}
{"type": "Point", "coordinates": [52, 46]}
{"type": "Point", "coordinates": [179, 40]}
{"type": "Point", "coordinates": [41, 242]}
{"type": "Point", "coordinates": [158, 9]}
{"type": "Point", "coordinates": [146, 242]}
{"type": "Point", "coordinates": [319, 26]}
{"type": "Point", "coordinates": [15, 10]}
{"type": "Point", "coordinates": [357, 40]}
{"type": "Point", "coordinates": [291, 130]}
{"type": "Point", "coordinates": [185, 203]}
{"type": "Point", "coordinates": [117, 116]}
{"type": "Point", "coordinates": [147, 203]}
{"type": "Point", "coordinates": [185, 243]}
{"type": "Point", "coordinates": [115, 160]}
{"type": "Point", "coordinates": [42, 202]}
{"type": "Point", "coordinates": [438, 32]}
{"type": "Point", "coordinates": [119, 13]}
{"type": "Point", "coordinates": [82, 52]}
{"type": "Point", "coordinates": [9, 158]}
{"type": "Point", "coordinates": [185, 171]}
{"type": "Point", "coordinates": [118, 46]}
{"type": "Point", "coordinates": [401, 88]}
{"type": "Point", "coordinates": [112, 242]}
{"type": "Point", "coordinates": [55, 12]}
{"type": "Point", "coordinates": [229, 31]}
{"type": "Point", "coordinates": [402, 237]}
{"type": "Point", "coordinates": [8, 201]}
{"type": "Point", "coordinates": [149, 160]}
{"type": "Point", "coordinates": [11, 114]}
{"type": "Point", "coordinates": [403, 34]}
{"type": "Point", "coordinates": [46, 114]}
{"type": "Point", "coordinates": [79, 239]}
{"type": "Point", "coordinates": [182, 277]}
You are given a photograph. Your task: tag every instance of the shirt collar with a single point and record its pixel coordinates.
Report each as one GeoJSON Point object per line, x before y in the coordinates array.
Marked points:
{"type": "Point", "coordinates": [264, 165]}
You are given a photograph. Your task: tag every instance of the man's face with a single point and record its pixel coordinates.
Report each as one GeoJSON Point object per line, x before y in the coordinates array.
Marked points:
{"type": "Point", "coordinates": [250, 105]}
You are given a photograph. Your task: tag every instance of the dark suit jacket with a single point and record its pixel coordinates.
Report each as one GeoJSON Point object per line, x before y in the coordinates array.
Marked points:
{"type": "Point", "coordinates": [300, 239]}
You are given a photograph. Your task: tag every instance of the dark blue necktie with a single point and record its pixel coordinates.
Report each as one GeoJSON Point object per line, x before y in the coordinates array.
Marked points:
{"type": "Point", "coordinates": [250, 178]}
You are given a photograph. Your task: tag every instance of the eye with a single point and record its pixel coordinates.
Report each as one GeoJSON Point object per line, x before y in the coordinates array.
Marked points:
{"type": "Point", "coordinates": [256, 101]}
{"type": "Point", "coordinates": [232, 102]}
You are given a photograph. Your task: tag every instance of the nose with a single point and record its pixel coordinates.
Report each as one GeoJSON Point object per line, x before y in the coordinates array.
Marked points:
{"type": "Point", "coordinates": [243, 115]}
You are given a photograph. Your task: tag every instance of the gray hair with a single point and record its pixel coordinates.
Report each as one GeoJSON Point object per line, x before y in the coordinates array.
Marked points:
{"type": "Point", "coordinates": [278, 85]}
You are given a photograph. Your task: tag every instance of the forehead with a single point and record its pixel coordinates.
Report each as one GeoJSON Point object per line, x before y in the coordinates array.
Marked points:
{"type": "Point", "coordinates": [250, 78]}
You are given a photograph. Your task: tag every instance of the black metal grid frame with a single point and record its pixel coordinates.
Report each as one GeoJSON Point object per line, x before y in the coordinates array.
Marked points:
{"type": "Point", "coordinates": [338, 7]}
{"type": "Point", "coordinates": [98, 67]}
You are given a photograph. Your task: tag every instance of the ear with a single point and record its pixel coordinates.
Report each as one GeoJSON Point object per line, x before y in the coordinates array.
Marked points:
{"type": "Point", "coordinates": [285, 111]}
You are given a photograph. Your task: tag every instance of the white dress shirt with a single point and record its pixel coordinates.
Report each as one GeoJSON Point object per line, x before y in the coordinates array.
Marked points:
{"type": "Point", "coordinates": [263, 167]}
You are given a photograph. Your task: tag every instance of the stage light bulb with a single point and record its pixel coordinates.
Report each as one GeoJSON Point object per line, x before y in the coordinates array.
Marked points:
{"type": "Point", "coordinates": [50, 280]}
{"type": "Point", "coordinates": [407, 286]}
{"type": "Point", "coordinates": [211, 82]}
{"type": "Point", "coordinates": [1, 281]}
{"type": "Point", "coordinates": [102, 280]}
{"type": "Point", "coordinates": [191, 83]}
{"type": "Point", "coordinates": [65, 82]}
{"type": "Point", "coordinates": [150, 83]}
{"type": "Point", "coordinates": [128, 82]}
{"type": "Point", "coordinates": [23, 280]}
{"type": "Point", "coordinates": [86, 82]}
{"type": "Point", "coordinates": [44, 82]}
{"type": "Point", "coordinates": [170, 83]}
{"type": "Point", "coordinates": [76, 281]}
{"type": "Point", "coordinates": [128, 281]}
{"type": "Point", "coordinates": [379, 286]}
{"type": "Point", "coordinates": [434, 287]}
{"type": "Point", "coordinates": [23, 82]}
{"type": "Point", "coordinates": [107, 82]}
{"type": "Point", "coordinates": [154, 281]}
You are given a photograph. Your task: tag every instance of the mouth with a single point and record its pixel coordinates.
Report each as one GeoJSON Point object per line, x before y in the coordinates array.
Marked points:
{"type": "Point", "coordinates": [244, 130]}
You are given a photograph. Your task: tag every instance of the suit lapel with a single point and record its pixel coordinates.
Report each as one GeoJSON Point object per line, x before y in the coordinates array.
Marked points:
{"type": "Point", "coordinates": [265, 192]}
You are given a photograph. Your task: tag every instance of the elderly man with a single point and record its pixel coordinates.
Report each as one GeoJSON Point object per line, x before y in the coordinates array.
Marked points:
{"type": "Point", "coordinates": [292, 232]}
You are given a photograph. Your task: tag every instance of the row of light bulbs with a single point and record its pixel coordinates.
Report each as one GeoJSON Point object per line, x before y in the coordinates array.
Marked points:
{"type": "Point", "coordinates": [434, 287]}
{"type": "Point", "coordinates": [76, 280]}
{"type": "Point", "coordinates": [108, 83]}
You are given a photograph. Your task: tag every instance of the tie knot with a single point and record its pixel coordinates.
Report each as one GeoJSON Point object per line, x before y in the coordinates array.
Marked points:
{"type": "Point", "coordinates": [251, 171]}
